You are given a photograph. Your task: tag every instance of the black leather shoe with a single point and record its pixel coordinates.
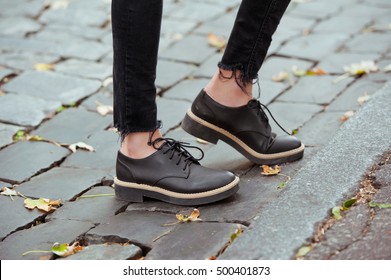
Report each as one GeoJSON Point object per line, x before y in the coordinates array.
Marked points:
{"type": "Point", "coordinates": [245, 128]}
{"type": "Point", "coordinates": [173, 175]}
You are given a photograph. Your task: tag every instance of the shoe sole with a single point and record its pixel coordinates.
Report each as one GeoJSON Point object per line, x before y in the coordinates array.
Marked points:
{"type": "Point", "coordinates": [134, 192]}
{"type": "Point", "coordinates": [212, 133]}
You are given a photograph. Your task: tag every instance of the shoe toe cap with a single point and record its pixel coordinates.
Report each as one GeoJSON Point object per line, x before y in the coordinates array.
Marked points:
{"type": "Point", "coordinates": [284, 143]}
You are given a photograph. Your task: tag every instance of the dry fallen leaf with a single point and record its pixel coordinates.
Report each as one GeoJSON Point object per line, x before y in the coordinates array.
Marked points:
{"type": "Point", "coordinates": [216, 41]}
{"type": "Point", "coordinates": [268, 171]}
{"type": "Point", "coordinates": [387, 68]}
{"type": "Point", "coordinates": [317, 71]}
{"type": "Point", "coordinates": [361, 68]}
{"type": "Point", "coordinates": [43, 204]}
{"type": "Point", "coordinates": [193, 217]}
{"type": "Point", "coordinates": [103, 109]}
{"type": "Point", "coordinates": [44, 67]}
{"type": "Point", "coordinates": [64, 250]}
{"type": "Point", "coordinates": [80, 145]}
{"type": "Point", "coordinates": [8, 192]}
{"type": "Point", "coordinates": [364, 98]}
{"type": "Point", "coordinates": [346, 116]}
{"type": "Point", "coordinates": [281, 77]}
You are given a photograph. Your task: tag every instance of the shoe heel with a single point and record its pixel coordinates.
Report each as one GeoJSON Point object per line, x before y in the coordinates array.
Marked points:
{"type": "Point", "coordinates": [128, 194]}
{"type": "Point", "coordinates": [198, 130]}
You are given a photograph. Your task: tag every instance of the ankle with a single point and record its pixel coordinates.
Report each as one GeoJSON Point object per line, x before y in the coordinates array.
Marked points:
{"type": "Point", "coordinates": [227, 91]}
{"type": "Point", "coordinates": [135, 144]}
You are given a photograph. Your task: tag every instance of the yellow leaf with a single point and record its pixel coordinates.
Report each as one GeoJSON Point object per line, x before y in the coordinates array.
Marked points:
{"type": "Point", "coordinates": [267, 170]}
{"type": "Point", "coordinates": [316, 71]}
{"type": "Point", "coordinates": [43, 204]}
{"type": "Point", "coordinates": [346, 116]}
{"type": "Point", "coordinates": [281, 77]}
{"type": "Point", "coordinates": [216, 41]}
{"type": "Point", "coordinates": [80, 145]}
{"type": "Point", "coordinates": [44, 67]}
{"type": "Point", "coordinates": [64, 250]}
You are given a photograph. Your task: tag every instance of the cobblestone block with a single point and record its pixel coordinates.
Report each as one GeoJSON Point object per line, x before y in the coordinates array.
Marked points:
{"type": "Point", "coordinates": [61, 32]}
{"type": "Point", "coordinates": [108, 252]}
{"type": "Point", "coordinates": [52, 86]}
{"type": "Point", "coordinates": [85, 69]}
{"type": "Point", "coordinates": [292, 115]}
{"type": "Point", "coordinates": [187, 89]}
{"type": "Point", "coordinates": [18, 26]}
{"type": "Point", "coordinates": [316, 9]}
{"type": "Point", "coordinates": [23, 8]}
{"type": "Point", "coordinates": [25, 110]}
{"type": "Point", "coordinates": [7, 132]}
{"type": "Point", "coordinates": [309, 46]}
{"type": "Point", "coordinates": [186, 237]}
{"type": "Point", "coordinates": [269, 91]}
{"type": "Point", "coordinates": [14, 215]}
{"type": "Point", "coordinates": [26, 61]}
{"type": "Point", "coordinates": [61, 183]}
{"type": "Point", "coordinates": [171, 118]}
{"type": "Point", "coordinates": [315, 89]}
{"type": "Point", "coordinates": [208, 67]}
{"type": "Point", "coordinates": [335, 62]}
{"type": "Point", "coordinates": [73, 125]}
{"type": "Point", "coordinates": [220, 26]}
{"type": "Point", "coordinates": [298, 24]}
{"type": "Point", "coordinates": [91, 209]}
{"type": "Point", "coordinates": [41, 237]}
{"type": "Point", "coordinates": [106, 144]}
{"type": "Point", "coordinates": [348, 99]}
{"type": "Point", "coordinates": [103, 97]}
{"type": "Point", "coordinates": [22, 160]}
{"type": "Point", "coordinates": [137, 226]}
{"type": "Point", "coordinates": [360, 43]}
{"type": "Point", "coordinates": [196, 11]}
{"type": "Point", "coordinates": [180, 50]}
{"type": "Point", "coordinates": [320, 130]}
{"type": "Point", "coordinates": [169, 73]}
{"type": "Point", "coordinates": [342, 23]}
{"type": "Point", "coordinates": [368, 10]}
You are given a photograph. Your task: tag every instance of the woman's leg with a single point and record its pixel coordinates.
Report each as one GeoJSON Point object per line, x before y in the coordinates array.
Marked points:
{"type": "Point", "coordinates": [147, 164]}
{"type": "Point", "coordinates": [225, 109]}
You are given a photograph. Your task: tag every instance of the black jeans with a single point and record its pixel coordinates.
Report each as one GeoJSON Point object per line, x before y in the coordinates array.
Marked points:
{"type": "Point", "coordinates": [136, 32]}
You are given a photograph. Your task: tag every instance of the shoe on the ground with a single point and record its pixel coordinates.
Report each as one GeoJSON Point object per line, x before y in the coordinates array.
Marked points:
{"type": "Point", "coordinates": [173, 175]}
{"type": "Point", "coordinates": [245, 128]}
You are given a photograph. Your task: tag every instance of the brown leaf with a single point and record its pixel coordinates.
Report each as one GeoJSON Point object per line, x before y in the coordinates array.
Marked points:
{"type": "Point", "coordinates": [346, 116]}
{"type": "Point", "coordinates": [43, 204]}
{"type": "Point", "coordinates": [216, 41]}
{"type": "Point", "coordinates": [269, 171]}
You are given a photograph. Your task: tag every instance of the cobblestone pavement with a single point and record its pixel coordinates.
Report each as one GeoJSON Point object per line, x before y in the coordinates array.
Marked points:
{"type": "Point", "coordinates": [55, 73]}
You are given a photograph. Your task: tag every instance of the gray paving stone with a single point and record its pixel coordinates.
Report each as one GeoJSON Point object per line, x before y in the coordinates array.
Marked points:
{"type": "Point", "coordinates": [74, 16]}
{"type": "Point", "coordinates": [26, 61]}
{"type": "Point", "coordinates": [275, 64]}
{"type": "Point", "coordinates": [281, 37]}
{"type": "Point", "coordinates": [231, 4]}
{"type": "Point", "coordinates": [62, 31]}
{"type": "Point", "coordinates": [360, 10]}
{"type": "Point", "coordinates": [85, 69]}
{"type": "Point", "coordinates": [23, 8]}
{"type": "Point", "coordinates": [13, 215]}
{"type": "Point", "coordinates": [18, 26]}
{"type": "Point", "coordinates": [61, 183]}
{"type": "Point", "coordinates": [292, 115]}
{"type": "Point", "coordinates": [347, 101]}
{"type": "Point", "coordinates": [269, 91]}
{"type": "Point", "coordinates": [196, 11]}
{"type": "Point", "coordinates": [314, 9]}
{"type": "Point", "coordinates": [94, 209]}
{"type": "Point", "coordinates": [180, 50]}
{"type": "Point", "coordinates": [104, 97]}
{"type": "Point", "coordinates": [187, 89]}
{"type": "Point", "coordinates": [208, 67]}
{"type": "Point", "coordinates": [22, 160]}
{"type": "Point", "coordinates": [220, 26]}
{"type": "Point", "coordinates": [308, 46]}
{"type": "Point", "coordinates": [298, 24]}
{"type": "Point", "coordinates": [107, 252]}
{"type": "Point", "coordinates": [375, 245]}
{"type": "Point", "coordinates": [172, 27]}
{"type": "Point", "coordinates": [52, 86]}
{"type": "Point", "coordinates": [73, 125]}
{"type": "Point", "coordinates": [171, 118]}
{"type": "Point", "coordinates": [342, 23]}
{"type": "Point", "coordinates": [360, 44]}
{"type": "Point", "coordinates": [320, 129]}
{"type": "Point", "coordinates": [186, 237]}
{"type": "Point", "coordinates": [169, 72]}
{"type": "Point", "coordinates": [8, 43]}
{"type": "Point", "coordinates": [315, 89]}
{"type": "Point", "coordinates": [7, 132]}
{"type": "Point", "coordinates": [4, 73]}
{"type": "Point", "coordinates": [137, 226]}
{"type": "Point", "coordinates": [25, 110]}
{"type": "Point", "coordinates": [379, 3]}
{"type": "Point", "coordinates": [106, 144]}
{"type": "Point", "coordinates": [383, 176]}
{"type": "Point", "coordinates": [41, 237]}
{"type": "Point", "coordinates": [83, 49]}
{"type": "Point", "coordinates": [335, 62]}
